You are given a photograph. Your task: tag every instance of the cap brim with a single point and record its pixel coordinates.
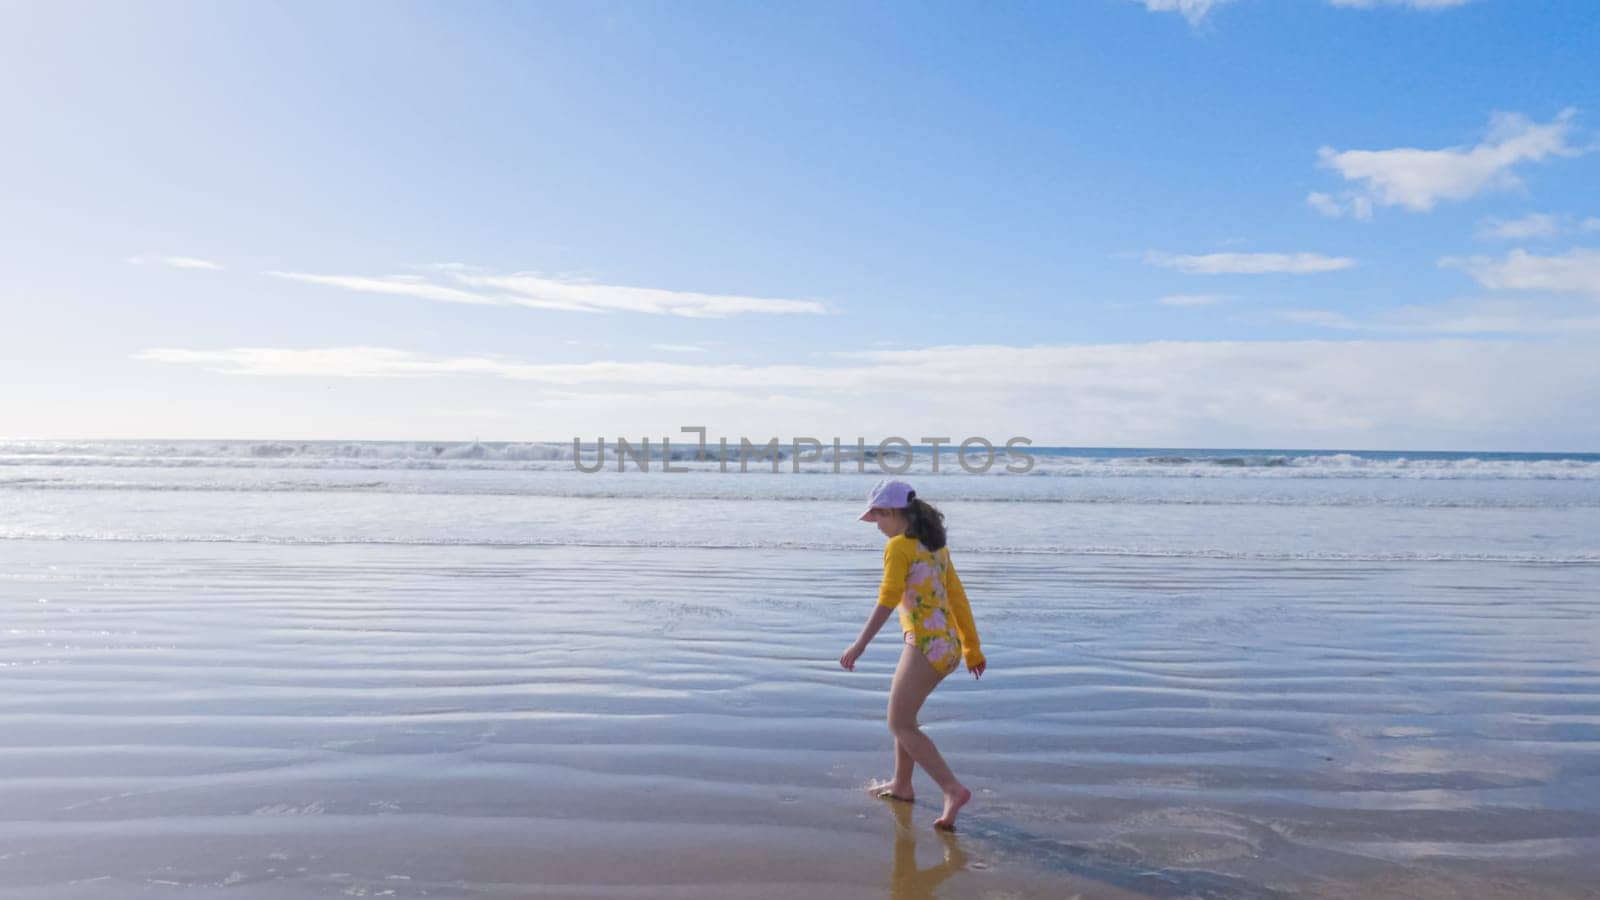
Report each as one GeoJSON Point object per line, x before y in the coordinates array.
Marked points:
{"type": "Point", "coordinates": [864, 514]}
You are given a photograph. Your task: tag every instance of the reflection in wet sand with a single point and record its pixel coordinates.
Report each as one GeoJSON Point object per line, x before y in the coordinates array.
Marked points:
{"type": "Point", "coordinates": [906, 880]}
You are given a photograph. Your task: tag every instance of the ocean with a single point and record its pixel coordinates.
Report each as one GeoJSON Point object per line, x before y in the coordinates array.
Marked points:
{"type": "Point", "coordinates": [286, 668]}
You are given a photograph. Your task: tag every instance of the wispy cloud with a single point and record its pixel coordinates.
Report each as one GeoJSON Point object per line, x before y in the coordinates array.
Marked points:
{"type": "Point", "coordinates": [1408, 4]}
{"type": "Point", "coordinates": [1196, 11]}
{"type": "Point", "coordinates": [1354, 206]}
{"type": "Point", "coordinates": [1534, 225]}
{"type": "Point", "coordinates": [176, 262]}
{"type": "Point", "coordinates": [1492, 315]}
{"type": "Point", "coordinates": [1249, 263]}
{"type": "Point", "coordinates": [402, 285]}
{"type": "Point", "coordinates": [1191, 299]}
{"type": "Point", "coordinates": [339, 362]}
{"type": "Point", "coordinates": [1574, 272]}
{"type": "Point", "coordinates": [1565, 288]}
{"type": "Point", "coordinates": [462, 284]}
{"type": "Point", "coordinates": [1320, 317]}
{"type": "Point", "coordinates": [384, 362]}
{"type": "Point", "coordinates": [1496, 316]}
{"type": "Point", "coordinates": [1146, 393]}
{"type": "Point", "coordinates": [1418, 180]}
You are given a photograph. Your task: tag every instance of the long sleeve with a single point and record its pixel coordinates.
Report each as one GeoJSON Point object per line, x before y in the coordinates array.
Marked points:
{"type": "Point", "coordinates": [962, 611]}
{"type": "Point", "coordinates": [895, 566]}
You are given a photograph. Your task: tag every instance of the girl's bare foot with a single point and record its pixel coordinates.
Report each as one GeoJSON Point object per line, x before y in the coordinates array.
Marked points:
{"type": "Point", "coordinates": [953, 801]}
{"type": "Point", "coordinates": [888, 790]}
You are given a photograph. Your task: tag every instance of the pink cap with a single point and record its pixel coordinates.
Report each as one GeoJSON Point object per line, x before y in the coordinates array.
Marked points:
{"type": "Point", "coordinates": [888, 494]}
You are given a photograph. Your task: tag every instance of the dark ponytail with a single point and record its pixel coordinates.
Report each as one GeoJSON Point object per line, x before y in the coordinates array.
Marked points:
{"type": "Point", "coordinates": [923, 522]}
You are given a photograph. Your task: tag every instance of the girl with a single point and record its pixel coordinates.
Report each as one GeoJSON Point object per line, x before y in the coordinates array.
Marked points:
{"type": "Point", "coordinates": [938, 633]}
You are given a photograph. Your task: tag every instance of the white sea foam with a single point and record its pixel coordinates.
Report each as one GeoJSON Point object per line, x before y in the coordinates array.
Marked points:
{"type": "Point", "coordinates": [1046, 461]}
{"type": "Point", "coordinates": [1577, 559]}
{"type": "Point", "coordinates": [799, 490]}
{"type": "Point", "coordinates": [1187, 504]}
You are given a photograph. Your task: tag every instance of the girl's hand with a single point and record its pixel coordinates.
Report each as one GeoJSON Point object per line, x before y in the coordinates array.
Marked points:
{"type": "Point", "coordinates": [848, 660]}
{"type": "Point", "coordinates": [977, 670]}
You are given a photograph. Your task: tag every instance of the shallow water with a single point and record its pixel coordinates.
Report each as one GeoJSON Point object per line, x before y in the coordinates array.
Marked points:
{"type": "Point", "coordinates": [275, 669]}
{"type": "Point", "coordinates": [280, 720]}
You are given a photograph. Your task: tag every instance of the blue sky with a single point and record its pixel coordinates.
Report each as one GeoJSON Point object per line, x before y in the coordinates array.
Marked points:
{"type": "Point", "coordinates": [1258, 223]}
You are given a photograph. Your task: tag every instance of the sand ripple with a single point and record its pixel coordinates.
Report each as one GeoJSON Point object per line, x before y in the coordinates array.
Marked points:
{"type": "Point", "coordinates": [283, 721]}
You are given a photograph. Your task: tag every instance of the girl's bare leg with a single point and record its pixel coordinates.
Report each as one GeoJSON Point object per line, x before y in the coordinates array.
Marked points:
{"type": "Point", "coordinates": [914, 679]}
{"type": "Point", "coordinates": [904, 765]}
{"type": "Point", "coordinates": [900, 787]}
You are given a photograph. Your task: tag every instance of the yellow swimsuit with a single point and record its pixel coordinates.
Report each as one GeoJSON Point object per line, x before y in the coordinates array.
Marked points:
{"type": "Point", "coordinates": [934, 613]}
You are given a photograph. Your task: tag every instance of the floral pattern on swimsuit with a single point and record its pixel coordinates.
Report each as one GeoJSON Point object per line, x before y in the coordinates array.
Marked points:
{"type": "Point", "coordinates": [934, 613]}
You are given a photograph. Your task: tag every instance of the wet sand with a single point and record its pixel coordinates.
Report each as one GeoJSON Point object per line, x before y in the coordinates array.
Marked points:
{"type": "Point", "coordinates": [250, 720]}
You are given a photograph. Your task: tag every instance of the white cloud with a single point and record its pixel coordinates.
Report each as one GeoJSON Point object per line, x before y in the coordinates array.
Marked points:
{"type": "Point", "coordinates": [176, 262]}
{"type": "Point", "coordinates": [1196, 11]}
{"type": "Point", "coordinates": [1536, 225]}
{"type": "Point", "coordinates": [404, 285]}
{"type": "Point", "coordinates": [1193, 10]}
{"type": "Point", "coordinates": [339, 362]}
{"type": "Point", "coordinates": [383, 362]}
{"type": "Point", "coordinates": [1572, 278]}
{"type": "Point", "coordinates": [1249, 263]}
{"type": "Point", "coordinates": [1493, 315]}
{"type": "Point", "coordinates": [1321, 317]}
{"type": "Point", "coordinates": [1191, 299]}
{"type": "Point", "coordinates": [461, 284]}
{"type": "Point", "coordinates": [1575, 272]}
{"type": "Point", "coordinates": [1532, 225]}
{"type": "Point", "coordinates": [647, 300]}
{"type": "Point", "coordinates": [1324, 203]}
{"type": "Point", "coordinates": [1166, 393]}
{"type": "Point", "coordinates": [722, 400]}
{"type": "Point", "coordinates": [1419, 179]}
{"type": "Point", "coordinates": [1409, 4]}
{"type": "Point", "coordinates": [1347, 204]}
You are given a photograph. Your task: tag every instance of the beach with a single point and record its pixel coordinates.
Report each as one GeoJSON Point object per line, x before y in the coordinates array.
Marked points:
{"type": "Point", "coordinates": [449, 450]}
{"type": "Point", "coordinates": [369, 670]}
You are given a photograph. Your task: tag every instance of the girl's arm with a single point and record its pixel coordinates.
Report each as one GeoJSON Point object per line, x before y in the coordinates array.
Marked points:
{"type": "Point", "coordinates": [880, 615]}
{"type": "Point", "coordinates": [895, 566]}
{"type": "Point", "coordinates": [962, 610]}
